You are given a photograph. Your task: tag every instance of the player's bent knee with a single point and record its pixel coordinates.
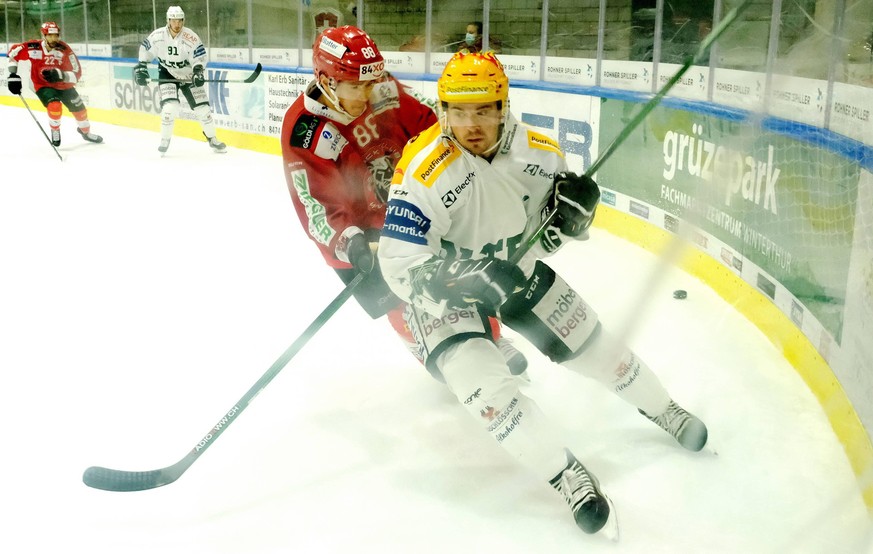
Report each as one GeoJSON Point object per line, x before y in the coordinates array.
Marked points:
{"type": "Point", "coordinates": [490, 385]}
{"type": "Point", "coordinates": [54, 109]}
{"type": "Point", "coordinates": [170, 110]}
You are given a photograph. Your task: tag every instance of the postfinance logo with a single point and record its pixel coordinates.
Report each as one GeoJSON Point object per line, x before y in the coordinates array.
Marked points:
{"type": "Point", "coordinates": [433, 165]}
{"type": "Point", "coordinates": [542, 142]}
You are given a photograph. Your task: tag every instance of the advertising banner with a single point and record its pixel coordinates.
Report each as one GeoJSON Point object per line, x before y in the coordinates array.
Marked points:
{"type": "Point", "coordinates": [785, 206]}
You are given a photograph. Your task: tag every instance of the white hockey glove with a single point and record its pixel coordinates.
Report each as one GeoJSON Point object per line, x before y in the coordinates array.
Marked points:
{"type": "Point", "coordinates": [489, 282]}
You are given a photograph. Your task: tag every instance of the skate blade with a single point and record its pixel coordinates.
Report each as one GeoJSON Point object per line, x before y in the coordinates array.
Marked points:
{"type": "Point", "coordinates": [610, 529]}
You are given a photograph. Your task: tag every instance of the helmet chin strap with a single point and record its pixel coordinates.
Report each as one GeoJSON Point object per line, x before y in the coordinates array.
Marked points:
{"type": "Point", "coordinates": [332, 97]}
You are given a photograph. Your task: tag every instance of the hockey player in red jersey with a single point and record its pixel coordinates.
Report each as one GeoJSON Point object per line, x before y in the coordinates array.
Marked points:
{"type": "Point", "coordinates": [54, 71]}
{"type": "Point", "coordinates": [340, 142]}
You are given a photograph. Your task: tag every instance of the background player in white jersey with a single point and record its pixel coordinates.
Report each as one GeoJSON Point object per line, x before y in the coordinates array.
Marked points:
{"type": "Point", "coordinates": [466, 194]}
{"type": "Point", "coordinates": [182, 57]}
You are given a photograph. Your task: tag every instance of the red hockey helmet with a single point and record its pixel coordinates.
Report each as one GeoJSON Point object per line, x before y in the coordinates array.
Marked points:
{"type": "Point", "coordinates": [347, 54]}
{"type": "Point", "coordinates": [50, 28]}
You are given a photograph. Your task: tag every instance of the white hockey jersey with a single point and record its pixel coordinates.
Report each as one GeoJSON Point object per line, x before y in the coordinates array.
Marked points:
{"type": "Point", "coordinates": [446, 202]}
{"type": "Point", "coordinates": [178, 55]}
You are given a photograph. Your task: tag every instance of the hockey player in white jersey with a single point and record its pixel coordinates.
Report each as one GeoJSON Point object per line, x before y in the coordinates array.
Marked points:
{"type": "Point", "coordinates": [181, 57]}
{"type": "Point", "coordinates": [466, 193]}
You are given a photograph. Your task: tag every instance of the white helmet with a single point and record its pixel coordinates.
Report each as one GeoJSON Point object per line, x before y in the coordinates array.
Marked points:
{"type": "Point", "coordinates": [175, 12]}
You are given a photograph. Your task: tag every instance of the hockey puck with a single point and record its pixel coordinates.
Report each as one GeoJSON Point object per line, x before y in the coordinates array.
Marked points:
{"type": "Point", "coordinates": [679, 294]}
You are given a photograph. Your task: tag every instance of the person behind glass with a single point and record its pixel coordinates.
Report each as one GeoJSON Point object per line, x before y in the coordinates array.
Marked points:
{"type": "Point", "coordinates": [341, 140]}
{"type": "Point", "coordinates": [461, 203]}
{"type": "Point", "coordinates": [473, 39]}
{"type": "Point", "coordinates": [54, 71]}
{"type": "Point", "coordinates": [182, 61]}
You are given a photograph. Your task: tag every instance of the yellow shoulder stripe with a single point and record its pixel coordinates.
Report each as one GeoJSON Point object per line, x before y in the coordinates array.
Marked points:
{"type": "Point", "coordinates": [415, 145]}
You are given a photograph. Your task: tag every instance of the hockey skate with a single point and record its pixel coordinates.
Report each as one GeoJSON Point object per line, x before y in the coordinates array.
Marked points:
{"type": "Point", "coordinates": [514, 359]}
{"type": "Point", "coordinates": [56, 137]}
{"type": "Point", "coordinates": [216, 144]}
{"type": "Point", "coordinates": [90, 137]}
{"type": "Point", "coordinates": [580, 489]}
{"type": "Point", "coordinates": [687, 429]}
{"type": "Point", "coordinates": [165, 145]}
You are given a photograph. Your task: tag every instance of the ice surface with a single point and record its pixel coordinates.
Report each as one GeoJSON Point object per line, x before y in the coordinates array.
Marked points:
{"type": "Point", "coordinates": [140, 297]}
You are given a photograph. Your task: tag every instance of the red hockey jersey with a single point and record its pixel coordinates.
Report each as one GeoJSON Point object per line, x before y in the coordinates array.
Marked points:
{"type": "Point", "coordinates": [338, 171]}
{"type": "Point", "coordinates": [42, 57]}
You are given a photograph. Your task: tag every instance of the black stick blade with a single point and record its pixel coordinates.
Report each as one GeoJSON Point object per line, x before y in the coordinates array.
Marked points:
{"type": "Point", "coordinates": [251, 78]}
{"type": "Point", "coordinates": [128, 481]}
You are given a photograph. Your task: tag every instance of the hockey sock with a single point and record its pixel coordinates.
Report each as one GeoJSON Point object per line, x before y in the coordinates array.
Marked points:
{"type": "Point", "coordinates": [82, 120]}
{"type": "Point", "coordinates": [169, 111]}
{"type": "Point", "coordinates": [54, 112]}
{"type": "Point", "coordinates": [609, 361]}
{"type": "Point", "coordinates": [204, 115]}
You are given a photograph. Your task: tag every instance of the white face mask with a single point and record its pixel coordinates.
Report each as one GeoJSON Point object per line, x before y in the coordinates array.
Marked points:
{"type": "Point", "coordinates": [470, 38]}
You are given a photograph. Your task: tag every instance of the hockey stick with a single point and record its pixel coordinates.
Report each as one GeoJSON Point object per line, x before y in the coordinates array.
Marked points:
{"type": "Point", "coordinates": [40, 127]}
{"type": "Point", "coordinates": [641, 115]}
{"type": "Point", "coordinates": [250, 79]}
{"type": "Point", "coordinates": [126, 481]}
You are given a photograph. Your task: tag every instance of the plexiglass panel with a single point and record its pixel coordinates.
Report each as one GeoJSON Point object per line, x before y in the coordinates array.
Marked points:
{"type": "Point", "coordinates": [132, 21]}
{"type": "Point", "coordinates": [622, 36]}
{"type": "Point", "coordinates": [275, 32]}
{"type": "Point", "coordinates": [451, 20]}
{"type": "Point", "coordinates": [398, 28]}
{"type": "Point", "coordinates": [571, 46]}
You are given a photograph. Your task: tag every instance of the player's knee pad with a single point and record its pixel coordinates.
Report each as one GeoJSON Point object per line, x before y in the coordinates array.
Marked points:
{"type": "Point", "coordinates": [169, 111]}
{"type": "Point", "coordinates": [169, 93]}
{"type": "Point", "coordinates": [54, 109]}
{"type": "Point", "coordinates": [551, 315]}
{"type": "Point", "coordinates": [434, 335]}
{"type": "Point", "coordinates": [203, 114]}
{"type": "Point", "coordinates": [81, 115]}
{"type": "Point", "coordinates": [476, 373]}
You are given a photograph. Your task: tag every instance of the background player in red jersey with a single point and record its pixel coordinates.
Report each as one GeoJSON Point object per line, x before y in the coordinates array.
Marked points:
{"type": "Point", "coordinates": [340, 142]}
{"type": "Point", "coordinates": [54, 71]}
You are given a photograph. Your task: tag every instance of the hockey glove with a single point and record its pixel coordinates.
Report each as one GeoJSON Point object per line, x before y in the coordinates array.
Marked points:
{"type": "Point", "coordinates": [198, 79]}
{"type": "Point", "coordinates": [575, 198]}
{"type": "Point", "coordinates": [353, 246]}
{"type": "Point", "coordinates": [53, 75]}
{"type": "Point", "coordinates": [14, 83]}
{"type": "Point", "coordinates": [489, 282]}
{"type": "Point", "coordinates": [141, 74]}
{"type": "Point", "coordinates": [359, 253]}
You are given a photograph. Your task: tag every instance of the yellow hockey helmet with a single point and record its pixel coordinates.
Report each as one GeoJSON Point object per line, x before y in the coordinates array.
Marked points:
{"type": "Point", "coordinates": [473, 77]}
